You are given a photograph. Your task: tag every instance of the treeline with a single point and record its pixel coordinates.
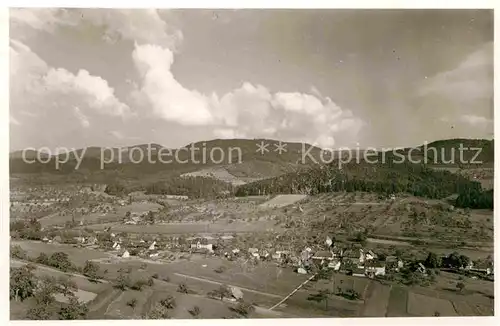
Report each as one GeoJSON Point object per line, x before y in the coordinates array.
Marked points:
{"type": "Point", "coordinates": [473, 198]}
{"type": "Point", "coordinates": [415, 179]}
{"type": "Point", "coordinates": [193, 187]}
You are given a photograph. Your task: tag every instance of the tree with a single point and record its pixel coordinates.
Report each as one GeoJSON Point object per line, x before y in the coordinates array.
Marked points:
{"type": "Point", "coordinates": [182, 288]}
{"type": "Point", "coordinates": [158, 312]}
{"type": "Point", "coordinates": [61, 261]}
{"type": "Point", "coordinates": [18, 252]}
{"type": "Point", "coordinates": [432, 261]}
{"type": "Point", "coordinates": [122, 281]}
{"type": "Point", "coordinates": [22, 283]}
{"type": "Point", "coordinates": [132, 303]}
{"type": "Point", "coordinates": [460, 286]}
{"type": "Point", "coordinates": [221, 292]}
{"type": "Point", "coordinates": [243, 309]}
{"type": "Point", "coordinates": [42, 259]}
{"type": "Point", "coordinates": [195, 311]}
{"type": "Point", "coordinates": [322, 295]}
{"type": "Point", "coordinates": [151, 217]}
{"type": "Point", "coordinates": [168, 302]}
{"type": "Point", "coordinates": [38, 313]}
{"type": "Point", "coordinates": [90, 270]}
{"type": "Point", "coordinates": [73, 310]}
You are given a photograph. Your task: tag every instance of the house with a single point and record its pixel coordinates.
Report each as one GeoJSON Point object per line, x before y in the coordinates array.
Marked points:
{"type": "Point", "coordinates": [280, 254]}
{"type": "Point", "coordinates": [45, 239]}
{"type": "Point", "coordinates": [264, 254]}
{"type": "Point", "coordinates": [236, 293]}
{"type": "Point", "coordinates": [125, 254]}
{"type": "Point", "coordinates": [323, 256]}
{"type": "Point", "coordinates": [393, 264]}
{"type": "Point", "coordinates": [152, 246]}
{"type": "Point", "coordinates": [335, 265]}
{"type": "Point", "coordinates": [370, 255]}
{"type": "Point", "coordinates": [375, 268]}
{"type": "Point", "coordinates": [358, 271]}
{"type": "Point", "coordinates": [203, 244]}
{"type": "Point", "coordinates": [92, 240]}
{"type": "Point", "coordinates": [253, 250]}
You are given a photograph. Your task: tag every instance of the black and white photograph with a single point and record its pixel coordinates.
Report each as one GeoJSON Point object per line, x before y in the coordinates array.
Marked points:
{"type": "Point", "coordinates": [250, 163]}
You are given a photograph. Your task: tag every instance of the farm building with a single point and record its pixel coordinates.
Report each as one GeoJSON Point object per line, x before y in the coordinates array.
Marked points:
{"type": "Point", "coordinates": [203, 243]}
{"type": "Point", "coordinates": [335, 265]}
{"type": "Point", "coordinates": [375, 268]}
{"type": "Point", "coordinates": [323, 256]}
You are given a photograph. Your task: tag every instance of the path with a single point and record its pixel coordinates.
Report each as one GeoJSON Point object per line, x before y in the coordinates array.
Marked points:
{"type": "Point", "coordinates": [202, 279]}
{"type": "Point", "coordinates": [293, 292]}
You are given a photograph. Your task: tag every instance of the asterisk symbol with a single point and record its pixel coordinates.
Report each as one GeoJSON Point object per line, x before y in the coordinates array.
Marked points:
{"type": "Point", "coordinates": [280, 147]}
{"type": "Point", "coordinates": [262, 147]}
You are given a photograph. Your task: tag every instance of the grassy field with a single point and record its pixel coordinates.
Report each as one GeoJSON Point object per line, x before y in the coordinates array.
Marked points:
{"type": "Point", "coordinates": [283, 200]}
{"type": "Point", "coordinates": [189, 228]}
{"type": "Point", "coordinates": [377, 300]}
{"type": "Point", "coordinates": [76, 255]}
{"type": "Point", "coordinates": [398, 299]}
{"type": "Point", "coordinates": [420, 305]}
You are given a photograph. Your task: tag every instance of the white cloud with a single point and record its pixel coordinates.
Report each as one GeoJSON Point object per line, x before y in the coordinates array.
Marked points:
{"type": "Point", "coordinates": [168, 98]}
{"type": "Point", "coordinates": [472, 79]}
{"type": "Point", "coordinates": [56, 102]}
{"type": "Point", "coordinates": [83, 119]}
{"type": "Point", "coordinates": [475, 120]}
{"type": "Point", "coordinates": [249, 111]}
{"type": "Point", "coordinates": [96, 91]}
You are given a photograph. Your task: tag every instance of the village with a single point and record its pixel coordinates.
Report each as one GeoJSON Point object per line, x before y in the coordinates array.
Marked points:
{"type": "Point", "coordinates": [210, 241]}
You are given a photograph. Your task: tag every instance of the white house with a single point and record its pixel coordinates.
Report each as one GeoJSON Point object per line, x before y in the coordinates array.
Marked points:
{"type": "Point", "coordinates": [126, 254]}
{"type": "Point", "coordinates": [375, 270]}
{"type": "Point", "coordinates": [152, 246]}
{"type": "Point", "coordinates": [335, 265]}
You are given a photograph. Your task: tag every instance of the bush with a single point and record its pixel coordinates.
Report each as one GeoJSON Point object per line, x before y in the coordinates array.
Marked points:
{"type": "Point", "coordinates": [182, 288]}
{"type": "Point", "coordinates": [132, 303]}
{"type": "Point", "coordinates": [18, 252]}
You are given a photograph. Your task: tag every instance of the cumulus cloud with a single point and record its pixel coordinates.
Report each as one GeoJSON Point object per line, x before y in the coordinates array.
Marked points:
{"type": "Point", "coordinates": [168, 98]}
{"type": "Point", "coordinates": [54, 98]}
{"type": "Point", "coordinates": [250, 111]}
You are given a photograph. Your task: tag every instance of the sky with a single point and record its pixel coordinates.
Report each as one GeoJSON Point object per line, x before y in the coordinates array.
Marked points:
{"type": "Point", "coordinates": [332, 78]}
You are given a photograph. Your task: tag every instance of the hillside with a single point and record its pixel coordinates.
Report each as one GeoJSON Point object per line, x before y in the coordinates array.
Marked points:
{"type": "Point", "coordinates": [272, 172]}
